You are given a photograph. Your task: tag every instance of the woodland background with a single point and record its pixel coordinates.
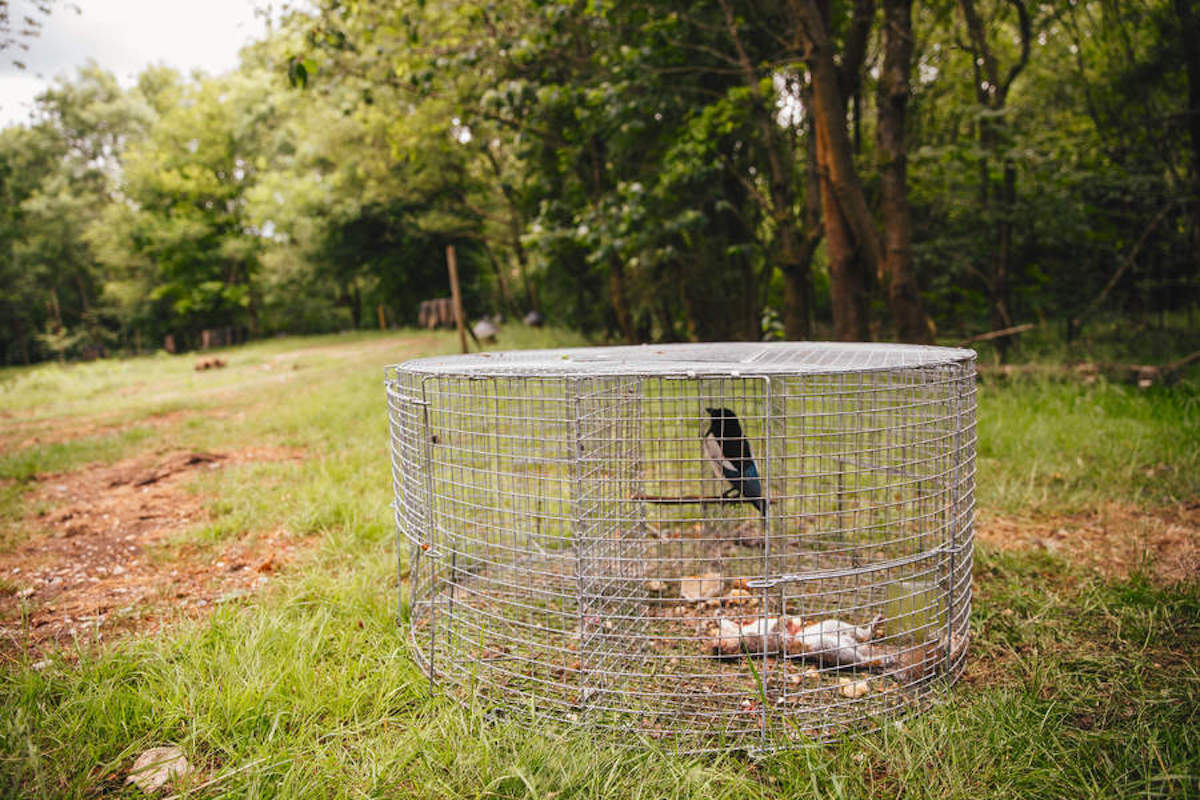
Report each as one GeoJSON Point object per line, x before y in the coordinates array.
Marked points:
{"type": "Point", "coordinates": [718, 169]}
{"type": "Point", "coordinates": [187, 560]}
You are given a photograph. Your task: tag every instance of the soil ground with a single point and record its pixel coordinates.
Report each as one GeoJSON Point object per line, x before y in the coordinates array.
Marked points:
{"type": "Point", "coordinates": [1116, 540]}
{"type": "Point", "coordinates": [104, 561]}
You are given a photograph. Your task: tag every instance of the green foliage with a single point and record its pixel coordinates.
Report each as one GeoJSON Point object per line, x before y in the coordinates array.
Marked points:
{"type": "Point", "coordinates": [635, 171]}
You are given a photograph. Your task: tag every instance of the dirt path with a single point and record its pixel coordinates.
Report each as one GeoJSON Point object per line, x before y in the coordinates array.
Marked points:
{"type": "Point", "coordinates": [103, 562]}
{"type": "Point", "coordinates": [1115, 541]}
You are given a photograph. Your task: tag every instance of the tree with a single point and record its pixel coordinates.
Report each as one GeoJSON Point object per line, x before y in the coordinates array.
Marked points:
{"type": "Point", "coordinates": [855, 248]}
{"type": "Point", "coordinates": [183, 218]}
{"type": "Point", "coordinates": [992, 85]}
{"type": "Point", "coordinates": [904, 296]}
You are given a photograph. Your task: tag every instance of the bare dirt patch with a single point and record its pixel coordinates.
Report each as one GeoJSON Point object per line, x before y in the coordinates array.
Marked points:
{"type": "Point", "coordinates": [1115, 540]}
{"type": "Point", "coordinates": [102, 564]}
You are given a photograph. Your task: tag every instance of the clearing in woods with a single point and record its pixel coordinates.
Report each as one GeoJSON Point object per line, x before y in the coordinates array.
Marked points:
{"type": "Point", "coordinates": [240, 515]}
{"type": "Point", "coordinates": [119, 544]}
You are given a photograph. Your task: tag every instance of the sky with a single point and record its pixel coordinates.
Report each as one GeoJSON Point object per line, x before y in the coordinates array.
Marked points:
{"type": "Point", "coordinates": [124, 36]}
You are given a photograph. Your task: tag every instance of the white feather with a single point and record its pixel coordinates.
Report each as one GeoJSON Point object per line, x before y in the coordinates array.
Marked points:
{"type": "Point", "coordinates": [716, 458]}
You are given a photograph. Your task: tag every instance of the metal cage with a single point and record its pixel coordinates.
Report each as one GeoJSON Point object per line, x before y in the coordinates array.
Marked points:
{"type": "Point", "coordinates": [577, 550]}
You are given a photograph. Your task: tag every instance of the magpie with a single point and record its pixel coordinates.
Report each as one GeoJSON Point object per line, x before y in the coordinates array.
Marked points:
{"type": "Point", "coordinates": [728, 454]}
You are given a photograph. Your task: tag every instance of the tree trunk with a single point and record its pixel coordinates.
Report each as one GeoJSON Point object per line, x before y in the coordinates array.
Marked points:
{"type": "Point", "coordinates": [1189, 30]}
{"type": "Point", "coordinates": [991, 90]}
{"type": "Point", "coordinates": [1002, 317]}
{"type": "Point", "coordinates": [506, 300]}
{"type": "Point", "coordinates": [620, 302]}
{"type": "Point", "coordinates": [751, 322]}
{"type": "Point", "coordinates": [793, 261]}
{"type": "Point", "coordinates": [851, 238]}
{"type": "Point", "coordinates": [848, 290]}
{"type": "Point", "coordinates": [829, 117]}
{"type": "Point", "coordinates": [690, 328]}
{"type": "Point", "coordinates": [55, 310]}
{"type": "Point", "coordinates": [848, 285]}
{"type": "Point", "coordinates": [355, 305]}
{"type": "Point", "coordinates": [797, 287]}
{"type": "Point", "coordinates": [892, 101]}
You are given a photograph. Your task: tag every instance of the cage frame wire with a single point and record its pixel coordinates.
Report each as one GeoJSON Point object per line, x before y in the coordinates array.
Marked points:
{"type": "Point", "coordinates": [544, 579]}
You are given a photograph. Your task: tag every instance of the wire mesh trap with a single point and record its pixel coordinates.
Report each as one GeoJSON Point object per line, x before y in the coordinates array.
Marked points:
{"type": "Point", "coordinates": [722, 545]}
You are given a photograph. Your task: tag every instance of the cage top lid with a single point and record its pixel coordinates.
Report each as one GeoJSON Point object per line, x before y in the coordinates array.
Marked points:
{"type": "Point", "coordinates": [723, 359]}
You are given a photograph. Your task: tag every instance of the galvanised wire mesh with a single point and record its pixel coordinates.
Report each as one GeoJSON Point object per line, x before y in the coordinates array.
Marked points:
{"type": "Point", "coordinates": [587, 541]}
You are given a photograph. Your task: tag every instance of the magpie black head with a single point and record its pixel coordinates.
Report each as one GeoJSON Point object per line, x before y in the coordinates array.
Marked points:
{"type": "Point", "coordinates": [724, 423]}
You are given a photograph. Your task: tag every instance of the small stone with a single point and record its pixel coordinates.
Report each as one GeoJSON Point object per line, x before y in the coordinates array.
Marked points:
{"type": "Point", "coordinates": [656, 587]}
{"type": "Point", "coordinates": [854, 689]}
{"type": "Point", "coordinates": [700, 587]}
{"type": "Point", "coordinates": [156, 767]}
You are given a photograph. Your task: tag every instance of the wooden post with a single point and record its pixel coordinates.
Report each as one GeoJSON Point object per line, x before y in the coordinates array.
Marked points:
{"type": "Point", "coordinates": [452, 263]}
{"type": "Point", "coordinates": [382, 321]}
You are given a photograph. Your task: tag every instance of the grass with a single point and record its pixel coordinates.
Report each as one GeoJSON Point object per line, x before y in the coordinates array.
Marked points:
{"type": "Point", "coordinates": [1078, 686]}
{"type": "Point", "coordinates": [1052, 445]}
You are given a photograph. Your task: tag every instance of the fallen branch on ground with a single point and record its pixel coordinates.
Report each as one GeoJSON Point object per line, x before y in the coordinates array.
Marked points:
{"type": "Point", "coordinates": [1143, 375]}
{"type": "Point", "coordinates": [987, 337]}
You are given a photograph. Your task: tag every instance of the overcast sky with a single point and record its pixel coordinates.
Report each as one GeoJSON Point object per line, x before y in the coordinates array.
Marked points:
{"type": "Point", "coordinates": [123, 36]}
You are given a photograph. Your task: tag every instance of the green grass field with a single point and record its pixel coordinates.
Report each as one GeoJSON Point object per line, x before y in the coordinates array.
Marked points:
{"type": "Point", "coordinates": [1079, 684]}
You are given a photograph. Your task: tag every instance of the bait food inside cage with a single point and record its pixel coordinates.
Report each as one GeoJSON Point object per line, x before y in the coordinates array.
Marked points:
{"type": "Point", "coordinates": [714, 544]}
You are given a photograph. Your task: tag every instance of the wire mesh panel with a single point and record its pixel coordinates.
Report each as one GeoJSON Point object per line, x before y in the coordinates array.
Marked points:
{"type": "Point", "coordinates": [718, 545]}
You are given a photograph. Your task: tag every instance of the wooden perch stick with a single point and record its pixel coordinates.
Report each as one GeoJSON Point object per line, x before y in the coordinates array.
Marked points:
{"type": "Point", "coordinates": [692, 499]}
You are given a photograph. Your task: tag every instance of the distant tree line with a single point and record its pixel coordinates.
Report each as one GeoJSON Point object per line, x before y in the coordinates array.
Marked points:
{"type": "Point", "coordinates": [718, 169]}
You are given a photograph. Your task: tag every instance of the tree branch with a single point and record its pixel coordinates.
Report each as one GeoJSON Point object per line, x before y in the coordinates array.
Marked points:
{"type": "Point", "coordinates": [854, 52]}
{"type": "Point", "coordinates": [1126, 264]}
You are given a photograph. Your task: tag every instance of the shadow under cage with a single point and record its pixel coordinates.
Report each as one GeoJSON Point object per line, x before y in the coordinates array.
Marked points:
{"type": "Point", "coordinates": [578, 549]}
